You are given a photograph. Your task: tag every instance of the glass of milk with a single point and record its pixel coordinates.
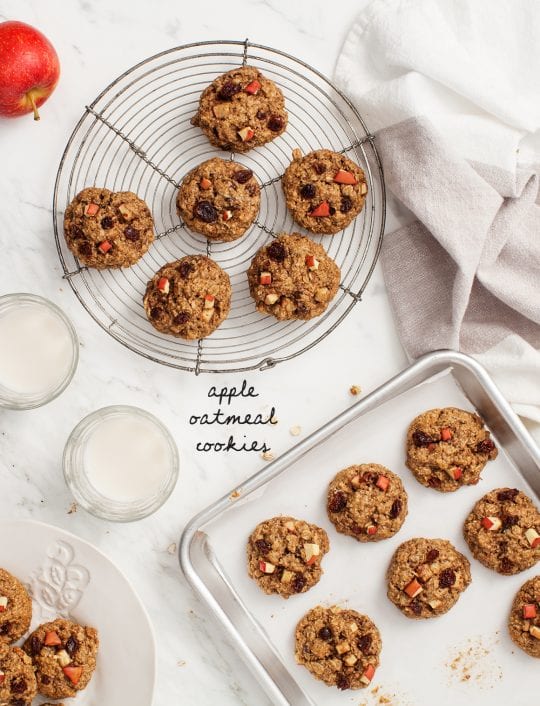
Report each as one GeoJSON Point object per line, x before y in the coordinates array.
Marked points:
{"type": "Point", "coordinates": [39, 351]}
{"type": "Point", "coordinates": [121, 463]}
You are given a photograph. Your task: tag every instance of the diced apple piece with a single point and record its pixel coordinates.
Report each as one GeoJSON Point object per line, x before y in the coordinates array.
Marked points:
{"type": "Point", "coordinates": [205, 183]}
{"type": "Point", "coordinates": [382, 483]}
{"type": "Point", "coordinates": [529, 610]}
{"type": "Point", "coordinates": [271, 299]}
{"type": "Point", "coordinates": [209, 301]}
{"type": "Point", "coordinates": [221, 110]}
{"type": "Point", "coordinates": [368, 674]}
{"type": "Point", "coordinates": [312, 552]}
{"type": "Point", "coordinates": [321, 294]}
{"type": "Point", "coordinates": [532, 537]}
{"type": "Point", "coordinates": [73, 674]}
{"type": "Point", "coordinates": [246, 134]}
{"type": "Point", "coordinates": [526, 625]}
{"type": "Point", "coordinates": [491, 523]}
{"type": "Point", "coordinates": [104, 247]}
{"type": "Point", "coordinates": [164, 285]}
{"type": "Point", "coordinates": [344, 177]}
{"type": "Point", "coordinates": [287, 576]}
{"type": "Point", "coordinates": [363, 188]}
{"type": "Point", "coordinates": [343, 647]}
{"type": "Point", "coordinates": [455, 472]}
{"type": "Point", "coordinates": [207, 314]}
{"type": "Point", "coordinates": [52, 639]}
{"type": "Point", "coordinates": [2, 676]}
{"type": "Point", "coordinates": [265, 278]}
{"type": "Point", "coordinates": [323, 209]}
{"type": "Point", "coordinates": [413, 588]}
{"type": "Point", "coordinates": [434, 603]}
{"type": "Point", "coordinates": [226, 215]}
{"type": "Point", "coordinates": [253, 87]}
{"type": "Point", "coordinates": [535, 632]}
{"type": "Point", "coordinates": [446, 434]}
{"type": "Point", "coordinates": [63, 657]}
{"type": "Point", "coordinates": [353, 627]}
{"type": "Point", "coordinates": [311, 262]}
{"type": "Point", "coordinates": [91, 209]}
{"type": "Point", "coordinates": [371, 529]}
{"type": "Point", "coordinates": [424, 573]}
{"type": "Point", "coordinates": [355, 481]}
{"type": "Point", "coordinates": [290, 525]}
{"type": "Point", "coordinates": [266, 567]}
{"type": "Point", "coordinates": [3, 603]}
{"type": "Point", "coordinates": [350, 660]}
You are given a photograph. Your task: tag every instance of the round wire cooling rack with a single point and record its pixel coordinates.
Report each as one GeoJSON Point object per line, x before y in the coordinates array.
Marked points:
{"type": "Point", "coordinates": [137, 136]}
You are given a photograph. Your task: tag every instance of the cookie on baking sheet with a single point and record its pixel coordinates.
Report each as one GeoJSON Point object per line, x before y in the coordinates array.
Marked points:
{"type": "Point", "coordinates": [15, 608]}
{"type": "Point", "coordinates": [503, 531]}
{"type": "Point", "coordinates": [241, 109]}
{"type": "Point", "coordinates": [324, 190]}
{"type": "Point", "coordinates": [64, 657]}
{"type": "Point", "coordinates": [448, 448]}
{"type": "Point", "coordinates": [293, 278]}
{"type": "Point", "coordinates": [426, 577]}
{"type": "Point", "coordinates": [108, 229]}
{"type": "Point", "coordinates": [524, 619]}
{"type": "Point", "coordinates": [284, 555]}
{"type": "Point", "coordinates": [338, 646]}
{"type": "Point", "coordinates": [17, 680]}
{"type": "Point", "coordinates": [219, 199]}
{"type": "Point", "coordinates": [188, 298]}
{"type": "Point", "coordinates": [367, 502]}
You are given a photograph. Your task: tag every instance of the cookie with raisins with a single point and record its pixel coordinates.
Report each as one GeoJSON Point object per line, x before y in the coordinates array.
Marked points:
{"type": "Point", "coordinates": [524, 619]}
{"type": "Point", "coordinates": [17, 680]}
{"type": "Point", "coordinates": [15, 608]}
{"type": "Point", "coordinates": [108, 229]}
{"type": "Point", "coordinates": [324, 190]}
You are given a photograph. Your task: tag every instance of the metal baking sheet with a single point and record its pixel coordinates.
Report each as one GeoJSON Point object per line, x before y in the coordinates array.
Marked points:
{"type": "Point", "coordinates": [462, 657]}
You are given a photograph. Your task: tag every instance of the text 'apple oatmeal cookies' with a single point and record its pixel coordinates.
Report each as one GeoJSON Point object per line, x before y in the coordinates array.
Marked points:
{"type": "Point", "coordinates": [426, 577]}
{"type": "Point", "coordinates": [293, 278]}
{"type": "Point", "coordinates": [367, 502]}
{"type": "Point", "coordinates": [64, 657]}
{"type": "Point", "coordinates": [241, 109]}
{"type": "Point", "coordinates": [17, 680]}
{"type": "Point", "coordinates": [524, 619]}
{"type": "Point", "coordinates": [338, 646]}
{"type": "Point", "coordinates": [219, 199]}
{"type": "Point", "coordinates": [15, 608]}
{"type": "Point", "coordinates": [188, 298]}
{"type": "Point", "coordinates": [108, 229]}
{"type": "Point", "coordinates": [324, 190]}
{"type": "Point", "coordinates": [284, 555]}
{"type": "Point", "coordinates": [448, 448]}
{"type": "Point", "coordinates": [503, 531]}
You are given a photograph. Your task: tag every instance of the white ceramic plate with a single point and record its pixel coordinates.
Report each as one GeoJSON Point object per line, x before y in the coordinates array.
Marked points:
{"type": "Point", "coordinates": [70, 578]}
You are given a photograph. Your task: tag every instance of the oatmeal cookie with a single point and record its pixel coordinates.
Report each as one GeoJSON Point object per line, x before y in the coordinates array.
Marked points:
{"type": "Point", "coordinates": [426, 577]}
{"type": "Point", "coordinates": [503, 531]}
{"type": "Point", "coordinates": [338, 646]}
{"type": "Point", "coordinates": [448, 448]}
{"type": "Point", "coordinates": [15, 608]}
{"type": "Point", "coordinates": [64, 657]}
{"type": "Point", "coordinates": [108, 229]}
{"type": "Point", "coordinates": [188, 298]}
{"type": "Point", "coordinates": [324, 190]}
{"type": "Point", "coordinates": [284, 555]}
{"type": "Point", "coordinates": [241, 109]}
{"type": "Point", "coordinates": [524, 620]}
{"type": "Point", "coordinates": [293, 278]}
{"type": "Point", "coordinates": [367, 502]}
{"type": "Point", "coordinates": [219, 199]}
{"type": "Point", "coordinates": [17, 681]}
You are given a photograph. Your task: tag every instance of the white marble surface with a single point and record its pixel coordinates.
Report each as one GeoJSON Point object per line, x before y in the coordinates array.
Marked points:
{"type": "Point", "coordinates": [97, 40]}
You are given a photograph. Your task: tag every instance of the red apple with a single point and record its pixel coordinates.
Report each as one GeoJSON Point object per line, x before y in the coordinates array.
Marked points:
{"type": "Point", "coordinates": [29, 69]}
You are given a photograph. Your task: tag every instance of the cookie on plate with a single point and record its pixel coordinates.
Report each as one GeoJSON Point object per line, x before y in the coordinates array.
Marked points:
{"type": "Point", "coordinates": [188, 298]}
{"type": "Point", "coordinates": [64, 657]}
{"type": "Point", "coordinates": [108, 229]}
{"type": "Point", "coordinates": [241, 109]}
{"type": "Point", "coordinates": [503, 531]}
{"type": "Point", "coordinates": [524, 619]}
{"type": "Point", "coordinates": [367, 502]}
{"type": "Point", "coordinates": [338, 646]}
{"type": "Point", "coordinates": [426, 577]}
{"type": "Point", "coordinates": [219, 199]}
{"type": "Point", "coordinates": [17, 680]}
{"type": "Point", "coordinates": [284, 555]}
{"type": "Point", "coordinates": [293, 278]}
{"type": "Point", "coordinates": [448, 448]}
{"type": "Point", "coordinates": [15, 608]}
{"type": "Point", "coordinates": [324, 190]}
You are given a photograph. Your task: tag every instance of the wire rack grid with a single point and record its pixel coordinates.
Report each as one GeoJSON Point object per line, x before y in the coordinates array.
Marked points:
{"type": "Point", "coordinates": [137, 136]}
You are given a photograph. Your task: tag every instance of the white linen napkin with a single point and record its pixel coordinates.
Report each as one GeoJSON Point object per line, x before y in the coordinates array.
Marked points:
{"type": "Point", "coordinates": [452, 90]}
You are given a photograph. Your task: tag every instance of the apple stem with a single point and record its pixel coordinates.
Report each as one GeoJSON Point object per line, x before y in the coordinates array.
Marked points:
{"type": "Point", "coordinates": [34, 107]}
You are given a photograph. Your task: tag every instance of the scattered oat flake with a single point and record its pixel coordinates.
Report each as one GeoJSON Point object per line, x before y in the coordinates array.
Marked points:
{"type": "Point", "coordinates": [72, 508]}
{"type": "Point", "coordinates": [172, 548]}
{"type": "Point", "coordinates": [295, 430]}
{"type": "Point", "coordinates": [267, 456]}
{"type": "Point", "coordinates": [355, 389]}
{"type": "Point", "coordinates": [181, 662]}
{"type": "Point", "coordinates": [472, 662]}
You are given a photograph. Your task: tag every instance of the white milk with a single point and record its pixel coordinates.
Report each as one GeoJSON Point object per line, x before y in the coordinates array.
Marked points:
{"type": "Point", "coordinates": [36, 350]}
{"type": "Point", "coordinates": [127, 458]}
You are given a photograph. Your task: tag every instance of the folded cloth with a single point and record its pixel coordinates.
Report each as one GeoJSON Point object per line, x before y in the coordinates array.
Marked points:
{"type": "Point", "coordinates": [451, 89]}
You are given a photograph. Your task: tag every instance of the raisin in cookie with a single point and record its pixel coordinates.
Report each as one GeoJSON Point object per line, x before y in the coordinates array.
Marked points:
{"type": "Point", "coordinates": [15, 608]}
{"type": "Point", "coordinates": [367, 502]}
{"type": "Point", "coordinates": [524, 620]}
{"type": "Point", "coordinates": [64, 657]}
{"type": "Point", "coordinates": [324, 190]}
{"type": "Point", "coordinates": [448, 448]}
{"type": "Point", "coordinates": [284, 555]}
{"type": "Point", "coordinates": [339, 646]}
{"type": "Point", "coordinates": [293, 278]}
{"type": "Point", "coordinates": [219, 199]}
{"type": "Point", "coordinates": [426, 577]}
{"type": "Point", "coordinates": [502, 531]}
{"type": "Point", "coordinates": [17, 680]}
{"type": "Point", "coordinates": [188, 298]}
{"type": "Point", "coordinates": [241, 109]}
{"type": "Point", "coordinates": [108, 229]}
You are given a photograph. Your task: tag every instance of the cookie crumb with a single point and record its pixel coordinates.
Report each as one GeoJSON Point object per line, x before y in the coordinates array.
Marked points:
{"type": "Point", "coordinates": [295, 430]}
{"type": "Point", "coordinates": [72, 508]}
{"type": "Point", "coordinates": [235, 494]}
{"type": "Point", "coordinates": [181, 663]}
{"type": "Point", "coordinates": [267, 456]}
{"type": "Point", "coordinates": [171, 549]}
{"type": "Point", "coordinates": [355, 390]}
{"type": "Point", "coordinates": [472, 662]}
